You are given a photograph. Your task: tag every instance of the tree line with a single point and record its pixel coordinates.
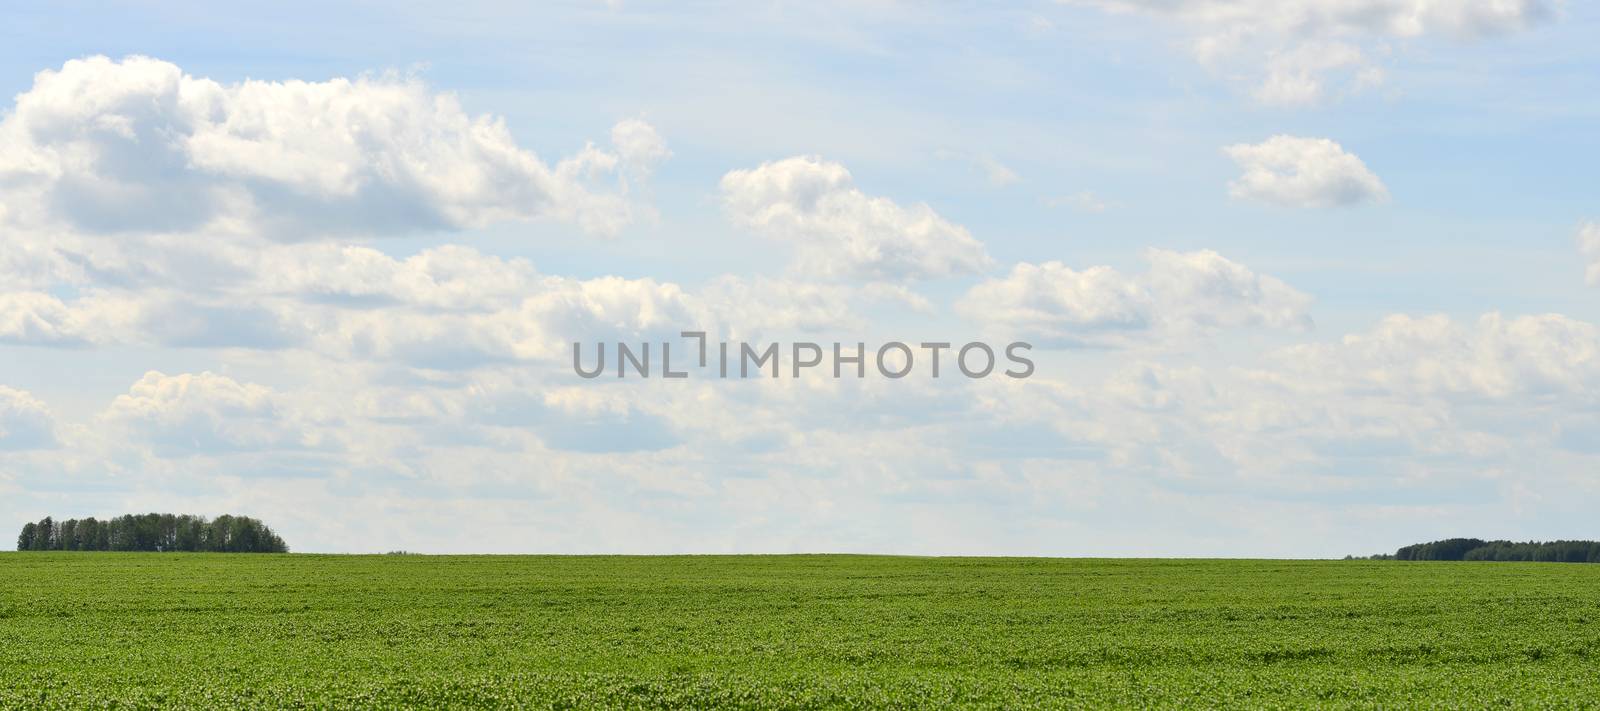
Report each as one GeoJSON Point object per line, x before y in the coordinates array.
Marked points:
{"type": "Point", "coordinates": [1479, 549]}
{"type": "Point", "coordinates": [152, 532]}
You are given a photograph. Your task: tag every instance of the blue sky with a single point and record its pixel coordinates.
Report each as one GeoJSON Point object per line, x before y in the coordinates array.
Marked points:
{"type": "Point", "coordinates": [1307, 278]}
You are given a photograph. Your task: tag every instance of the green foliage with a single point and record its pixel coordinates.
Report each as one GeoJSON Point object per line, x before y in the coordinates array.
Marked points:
{"type": "Point", "coordinates": [94, 630]}
{"type": "Point", "coordinates": [25, 539]}
{"type": "Point", "coordinates": [1477, 549]}
{"type": "Point", "coordinates": [152, 532]}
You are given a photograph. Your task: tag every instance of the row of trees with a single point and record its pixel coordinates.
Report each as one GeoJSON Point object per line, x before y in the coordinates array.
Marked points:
{"type": "Point", "coordinates": [1479, 549]}
{"type": "Point", "coordinates": [152, 532]}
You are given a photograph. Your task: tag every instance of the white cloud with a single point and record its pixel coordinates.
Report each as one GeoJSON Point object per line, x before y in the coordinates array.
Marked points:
{"type": "Point", "coordinates": [25, 422]}
{"type": "Point", "coordinates": [1296, 75]}
{"type": "Point", "coordinates": [1051, 302]}
{"type": "Point", "coordinates": [39, 318]}
{"type": "Point", "coordinates": [555, 312]}
{"type": "Point", "coordinates": [1540, 356]}
{"type": "Point", "coordinates": [96, 317]}
{"type": "Point", "coordinates": [1589, 248]}
{"type": "Point", "coordinates": [1202, 289]}
{"type": "Point", "coordinates": [1181, 293]}
{"type": "Point", "coordinates": [138, 146]}
{"type": "Point", "coordinates": [27, 263]}
{"type": "Point", "coordinates": [841, 232]}
{"type": "Point", "coordinates": [1304, 43]}
{"type": "Point", "coordinates": [640, 147]}
{"type": "Point", "coordinates": [444, 307]}
{"type": "Point", "coordinates": [257, 293]}
{"type": "Point", "coordinates": [148, 317]}
{"type": "Point", "coordinates": [448, 277]}
{"type": "Point", "coordinates": [1302, 172]}
{"type": "Point", "coordinates": [209, 413]}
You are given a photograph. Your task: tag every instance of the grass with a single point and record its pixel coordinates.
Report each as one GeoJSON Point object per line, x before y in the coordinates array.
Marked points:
{"type": "Point", "coordinates": [202, 630]}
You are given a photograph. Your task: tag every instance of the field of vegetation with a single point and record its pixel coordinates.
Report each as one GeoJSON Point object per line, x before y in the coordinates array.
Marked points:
{"type": "Point", "coordinates": [136, 630]}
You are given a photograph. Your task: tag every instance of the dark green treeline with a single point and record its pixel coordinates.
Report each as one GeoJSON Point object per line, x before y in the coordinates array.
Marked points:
{"type": "Point", "coordinates": [152, 532]}
{"type": "Point", "coordinates": [1479, 549]}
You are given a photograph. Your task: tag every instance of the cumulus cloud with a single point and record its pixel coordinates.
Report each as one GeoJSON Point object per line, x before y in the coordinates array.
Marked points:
{"type": "Point", "coordinates": [841, 232]}
{"type": "Point", "coordinates": [1547, 355]}
{"type": "Point", "coordinates": [138, 146]}
{"type": "Point", "coordinates": [206, 413]}
{"type": "Point", "coordinates": [150, 317]}
{"type": "Point", "coordinates": [1296, 75]}
{"type": "Point", "coordinates": [1302, 172]}
{"type": "Point", "coordinates": [1182, 292]}
{"type": "Point", "coordinates": [447, 277]}
{"type": "Point", "coordinates": [540, 326]}
{"type": "Point", "coordinates": [1305, 44]}
{"type": "Point", "coordinates": [1203, 289]}
{"type": "Point", "coordinates": [95, 317]}
{"type": "Point", "coordinates": [1054, 303]}
{"type": "Point", "coordinates": [1589, 248]}
{"type": "Point", "coordinates": [174, 282]}
{"type": "Point", "coordinates": [444, 307]}
{"type": "Point", "coordinates": [41, 319]}
{"type": "Point", "coordinates": [640, 147]}
{"type": "Point", "coordinates": [555, 311]}
{"type": "Point", "coordinates": [25, 422]}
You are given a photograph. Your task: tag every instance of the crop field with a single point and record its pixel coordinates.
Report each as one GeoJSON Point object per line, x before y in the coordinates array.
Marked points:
{"type": "Point", "coordinates": [132, 630]}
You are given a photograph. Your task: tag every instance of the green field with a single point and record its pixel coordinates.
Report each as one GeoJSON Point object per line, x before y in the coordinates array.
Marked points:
{"type": "Point", "coordinates": [149, 630]}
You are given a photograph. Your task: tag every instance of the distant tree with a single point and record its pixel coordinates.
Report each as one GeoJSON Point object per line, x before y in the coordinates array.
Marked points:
{"type": "Point", "coordinates": [25, 540]}
{"type": "Point", "coordinates": [153, 532]}
{"type": "Point", "coordinates": [1477, 549]}
{"type": "Point", "coordinates": [187, 534]}
{"type": "Point", "coordinates": [66, 535]}
{"type": "Point", "coordinates": [89, 534]}
{"type": "Point", "coordinates": [44, 535]}
{"type": "Point", "coordinates": [1448, 549]}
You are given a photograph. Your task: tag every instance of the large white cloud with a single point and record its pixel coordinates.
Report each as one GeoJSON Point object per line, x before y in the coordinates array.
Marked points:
{"type": "Point", "coordinates": [258, 293]}
{"type": "Point", "coordinates": [1302, 45]}
{"type": "Point", "coordinates": [149, 317]}
{"type": "Point", "coordinates": [1534, 357]}
{"type": "Point", "coordinates": [1302, 172]}
{"type": "Point", "coordinates": [450, 306]}
{"type": "Point", "coordinates": [137, 145]}
{"type": "Point", "coordinates": [1181, 293]}
{"type": "Point", "coordinates": [841, 232]}
{"type": "Point", "coordinates": [208, 413]}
